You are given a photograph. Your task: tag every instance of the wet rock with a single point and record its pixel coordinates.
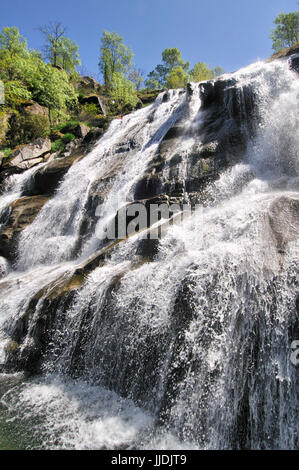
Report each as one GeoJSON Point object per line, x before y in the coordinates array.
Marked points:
{"type": "Point", "coordinates": [294, 62]}
{"type": "Point", "coordinates": [22, 213]}
{"type": "Point", "coordinates": [284, 221]}
{"type": "Point", "coordinates": [147, 188]}
{"type": "Point", "coordinates": [47, 178]}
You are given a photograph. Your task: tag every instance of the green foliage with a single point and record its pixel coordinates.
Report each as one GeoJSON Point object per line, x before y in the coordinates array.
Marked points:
{"type": "Point", "coordinates": [67, 127]}
{"type": "Point", "coordinates": [68, 138]}
{"type": "Point", "coordinates": [286, 33]}
{"type": "Point", "coordinates": [26, 76]}
{"type": "Point", "coordinates": [176, 78]}
{"type": "Point", "coordinates": [136, 77]}
{"type": "Point", "coordinates": [16, 93]}
{"type": "Point", "coordinates": [90, 109]}
{"type": "Point", "coordinates": [7, 151]}
{"type": "Point", "coordinates": [68, 55]}
{"type": "Point", "coordinates": [163, 74]}
{"type": "Point", "coordinates": [172, 58]}
{"type": "Point", "coordinates": [26, 128]}
{"type": "Point", "coordinates": [218, 71]}
{"type": "Point", "coordinates": [59, 50]}
{"type": "Point", "coordinates": [174, 71]}
{"type": "Point", "coordinates": [115, 57]}
{"type": "Point", "coordinates": [201, 72]}
{"type": "Point", "coordinates": [60, 144]}
{"type": "Point", "coordinates": [12, 41]}
{"type": "Point", "coordinates": [123, 92]}
{"type": "Point", "coordinates": [57, 146]}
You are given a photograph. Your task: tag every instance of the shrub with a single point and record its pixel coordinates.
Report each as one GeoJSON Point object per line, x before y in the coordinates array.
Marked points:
{"type": "Point", "coordinates": [26, 128]}
{"type": "Point", "coordinates": [68, 127]}
{"type": "Point", "coordinates": [67, 138]}
{"type": "Point", "coordinates": [57, 146]}
{"type": "Point", "coordinates": [88, 112]}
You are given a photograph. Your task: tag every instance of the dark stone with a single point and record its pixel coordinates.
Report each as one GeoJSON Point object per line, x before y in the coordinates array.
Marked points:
{"type": "Point", "coordinates": [46, 179]}
{"type": "Point", "coordinates": [147, 187]}
{"type": "Point", "coordinates": [93, 135]}
{"type": "Point", "coordinates": [294, 62]}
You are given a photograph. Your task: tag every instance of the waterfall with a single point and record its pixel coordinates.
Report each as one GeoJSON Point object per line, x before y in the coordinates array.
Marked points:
{"type": "Point", "coordinates": [181, 342]}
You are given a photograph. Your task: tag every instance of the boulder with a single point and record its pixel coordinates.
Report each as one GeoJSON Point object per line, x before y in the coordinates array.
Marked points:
{"type": "Point", "coordinates": [25, 165]}
{"type": "Point", "coordinates": [93, 135]}
{"type": "Point", "coordinates": [81, 130]}
{"type": "Point", "coordinates": [89, 82]}
{"type": "Point", "coordinates": [30, 151]}
{"type": "Point", "coordinates": [34, 108]}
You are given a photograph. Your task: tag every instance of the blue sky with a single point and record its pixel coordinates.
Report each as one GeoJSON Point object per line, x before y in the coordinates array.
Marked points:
{"type": "Point", "coordinates": [229, 33]}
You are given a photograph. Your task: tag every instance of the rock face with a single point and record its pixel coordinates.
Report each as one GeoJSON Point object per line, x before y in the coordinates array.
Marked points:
{"type": "Point", "coordinates": [193, 327]}
{"type": "Point", "coordinates": [29, 155]}
{"type": "Point", "coordinates": [284, 221]}
{"type": "Point", "coordinates": [93, 99]}
{"type": "Point", "coordinates": [46, 179]}
{"type": "Point", "coordinates": [21, 213]}
{"type": "Point", "coordinates": [81, 130]}
{"type": "Point", "coordinates": [294, 62]}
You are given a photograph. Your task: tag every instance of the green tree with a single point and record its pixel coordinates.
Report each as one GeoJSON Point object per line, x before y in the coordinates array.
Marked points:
{"type": "Point", "coordinates": [286, 33]}
{"type": "Point", "coordinates": [53, 33]}
{"type": "Point", "coordinates": [136, 76]}
{"type": "Point", "coordinates": [176, 78]}
{"type": "Point", "coordinates": [12, 42]}
{"type": "Point", "coordinates": [218, 71]}
{"type": "Point", "coordinates": [123, 92]}
{"type": "Point", "coordinates": [59, 50]}
{"type": "Point", "coordinates": [29, 77]}
{"type": "Point", "coordinates": [115, 57]}
{"type": "Point", "coordinates": [171, 59]}
{"type": "Point", "coordinates": [201, 72]}
{"type": "Point", "coordinates": [68, 55]}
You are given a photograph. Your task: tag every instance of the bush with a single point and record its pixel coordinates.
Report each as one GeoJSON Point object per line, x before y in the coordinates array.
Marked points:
{"type": "Point", "coordinates": [68, 138]}
{"type": "Point", "coordinates": [57, 146]}
{"type": "Point", "coordinates": [88, 112]}
{"type": "Point", "coordinates": [26, 128]}
{"type": "Point", "coordinates": [68, 127]}
{"type": "Point", "coordinates": [60, 144]}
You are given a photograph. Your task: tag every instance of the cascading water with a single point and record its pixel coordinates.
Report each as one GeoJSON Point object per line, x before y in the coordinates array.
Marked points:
{"type": "Point", "coordinates": [186, 344]}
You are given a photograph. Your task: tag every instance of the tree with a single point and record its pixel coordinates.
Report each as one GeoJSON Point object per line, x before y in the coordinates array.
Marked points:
{"type": "Point", "coordinates": [171, 59]}
{"type": "Point", "coordinates": [53, 33]}
{"type": "Point", "coordinates": [68, 55]}
{"type": "Point", "coordinates": [176, 78]}
{"type": "Point", "coordinates": [59, 50]}
{"type": "Point", "coordinates": [201, 72]}
{"type": "Point", "coordinates": [218, 71]}
{"type": "Point", "coordinates": [115, 57]}
{"type": "Point", "coordinates": [136, 76]}
{"type": "Point", "coordinates": [12, 42]}
{"type": "Point", "coordinates": [286, 33]}
{"type": "Point", "coordinates": [123, 91]}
